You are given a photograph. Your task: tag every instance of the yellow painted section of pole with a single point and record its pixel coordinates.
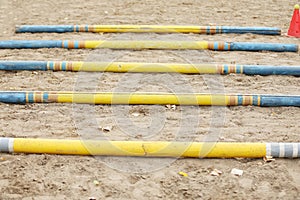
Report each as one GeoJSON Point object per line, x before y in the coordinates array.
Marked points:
{"type": "Point", "coordinates": [93, 44]}
{"type": "Point", "coordinates": [88, 66]}
{"type": "Point", "coordinates": [141, 98]}
{"type": "Point", "coordinates": [145, 67]}
{"type": "Point", "coordinates": [144, 44]}
{"type": "Point", "coordinates": [139, 148]}
{"type": "Point", "coordinates": [148, 29]}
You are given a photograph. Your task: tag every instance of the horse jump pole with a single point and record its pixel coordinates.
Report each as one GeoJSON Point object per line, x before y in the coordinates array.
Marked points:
{"type": "Point", "coordinates": [146, 29]}
{"type": "Point", "coordinates": [149, 148]}
{"type": "Point", "coordinates": [148, 98]}
{"type": "Point", "coordinates": [124, 67]}
{"type": "Point", "coordinates": [148, 44]}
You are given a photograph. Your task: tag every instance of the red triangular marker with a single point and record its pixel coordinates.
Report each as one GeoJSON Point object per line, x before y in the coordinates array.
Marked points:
{"type": "Point", "coordinates": [294, 29]}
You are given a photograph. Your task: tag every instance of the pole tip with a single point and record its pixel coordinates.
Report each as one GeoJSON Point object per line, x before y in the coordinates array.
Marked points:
{"type": "Point", "coordinates": [296, 7]}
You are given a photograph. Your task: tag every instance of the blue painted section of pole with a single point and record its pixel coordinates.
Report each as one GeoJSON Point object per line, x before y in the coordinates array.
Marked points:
{"type": "Point", "coordinates": [44, 28]}
{"type": "Point", "coordinates": [253, 30]}
{"type": "Point", "coordinates": [30, 44]}
{"type": "Point", "coordinates": [13, 97]}
{"type": "Point", "coordinates": [23, 65]}
{"type": "Point", "coordinates": [276, 101]}
{"type": "Point", "coordinates": [265, 70]}
{"type": "Point", "coordinates": [249, 46]}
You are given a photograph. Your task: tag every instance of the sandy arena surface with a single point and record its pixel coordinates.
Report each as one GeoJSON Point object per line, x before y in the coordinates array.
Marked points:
{"type": "Point", "coordinates": [74, 177]}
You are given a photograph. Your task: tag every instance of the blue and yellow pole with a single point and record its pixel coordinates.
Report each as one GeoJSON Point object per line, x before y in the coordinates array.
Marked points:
{"type": "Point", "coordinates": [149, 148]}
{"type": "Point", "coordinates": [146, 29]}
{"type": "Point", "coordinates": [148, 44]}
{"type": "Point", "coordinates": [149, 98]}
{"type": "Point", "coordinates": [122, 67]}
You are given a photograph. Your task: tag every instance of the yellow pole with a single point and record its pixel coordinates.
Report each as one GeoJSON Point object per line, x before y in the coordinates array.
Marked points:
{"type": "Point", "coordinates": [148, 44]}
{"type": "Point", "coordinates": [146, 29]}
{"type": "Point", "coordinates": [143, 67]}
{"type": "Point", "coordinates": [128, 44]}
{"type": "Point", "coordinates": [149, 29]}
{"type": "Point", "coordinates": [148, 98]}
{"type": "Point", "coordinates": [138, 148]}
{"type": "Point", "coordinates": [144, 98]}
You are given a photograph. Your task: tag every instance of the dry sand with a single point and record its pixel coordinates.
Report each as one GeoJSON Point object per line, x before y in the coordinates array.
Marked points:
{"type": "Point", "coordinates": [72, 177]}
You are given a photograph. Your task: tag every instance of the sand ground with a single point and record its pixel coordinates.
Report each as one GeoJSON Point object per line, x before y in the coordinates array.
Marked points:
{"type": "Point", "coordinates": [73, 177]}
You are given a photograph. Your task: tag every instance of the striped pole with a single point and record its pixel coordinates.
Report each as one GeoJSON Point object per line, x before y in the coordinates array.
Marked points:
{"type": "Point", "coordinates": [148, 44]}
{"type": "Point", "coordinates": [149, 148]}
{"type": "Point", "coordinates": [148, 98]}
{"type": "Point", "coordinates": [122, 67]}
{"type": "Point", "coordinates": [146, 29]}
